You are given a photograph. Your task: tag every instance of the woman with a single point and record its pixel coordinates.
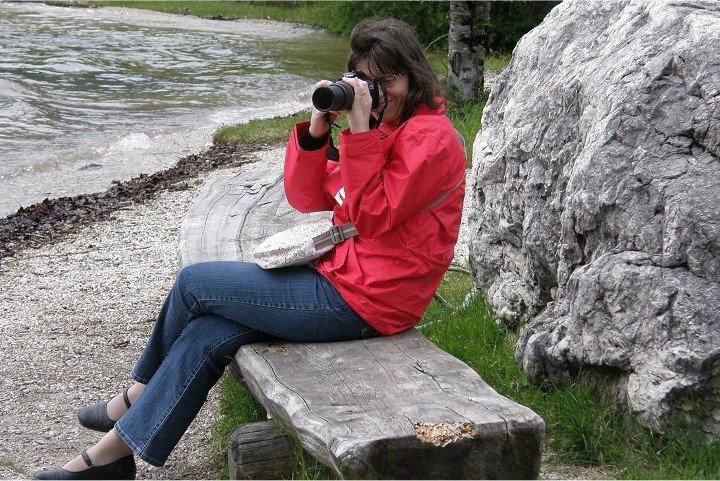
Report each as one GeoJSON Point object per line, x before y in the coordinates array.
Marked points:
{"type": "Point", "coordinates": [400, 180]}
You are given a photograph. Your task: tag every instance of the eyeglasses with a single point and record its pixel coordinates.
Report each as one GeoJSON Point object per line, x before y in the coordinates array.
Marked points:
{"type": "Point", "coordinates": [389, 80]}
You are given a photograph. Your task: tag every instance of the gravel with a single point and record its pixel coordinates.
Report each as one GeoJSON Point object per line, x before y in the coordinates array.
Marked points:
{"type": "Point", "coordinates": [75, 316]}
{"type": "Point", "coordinates": [76, 313]}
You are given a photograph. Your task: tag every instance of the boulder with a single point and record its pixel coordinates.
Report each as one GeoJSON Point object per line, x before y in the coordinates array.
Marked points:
{"type": "Point", "coordinates": [596, 203]}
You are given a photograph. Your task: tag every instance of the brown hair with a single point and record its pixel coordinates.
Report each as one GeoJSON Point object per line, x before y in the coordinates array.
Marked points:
{"type": "Point", "coordinates": [391, 47]}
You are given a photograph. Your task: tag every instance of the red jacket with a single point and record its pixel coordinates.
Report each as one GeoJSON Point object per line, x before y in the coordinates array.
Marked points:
{"type": "Point", "coordinates": [389, 272]}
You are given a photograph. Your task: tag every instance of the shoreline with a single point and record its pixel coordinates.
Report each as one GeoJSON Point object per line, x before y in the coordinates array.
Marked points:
{"type": "Point", "coordinates": [51, 220]}
{"type": "Point", "coordinates": [78, 307]}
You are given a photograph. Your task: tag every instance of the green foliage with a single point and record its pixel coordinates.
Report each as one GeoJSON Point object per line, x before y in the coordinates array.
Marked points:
{"type": "Point", "coordinates": [237, 406]}
{"type": "Point", "coordinates": [429, 19]}
{"type": "Point", "coordinates": [466, 117]}
{"type": "Point", "coordinates": [305, 466]}
{"type": "Point", "coordinates": [260, 131]}
{"type": "Point", "coordinates": [587, 422]}
{"type": "Point", "coordinates": [673, 457]}
{"type": "Point", "coordinates": [298, 12]}
{"type": "Point", "coordinates": [497, 62]}
{"type": "Point", "coordinates": [275, 130]}
{"type": "Point", "coordinates": [509, 21]}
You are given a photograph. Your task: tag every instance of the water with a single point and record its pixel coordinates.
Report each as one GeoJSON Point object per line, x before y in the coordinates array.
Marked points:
{"type": "Point", "coordinates": [88, 96]}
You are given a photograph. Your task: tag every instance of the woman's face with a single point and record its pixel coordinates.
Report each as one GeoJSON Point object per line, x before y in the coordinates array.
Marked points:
{"type": "Point", "coordinates": [397, 91]}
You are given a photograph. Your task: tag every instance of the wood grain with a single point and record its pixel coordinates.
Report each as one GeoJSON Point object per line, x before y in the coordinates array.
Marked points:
{"type": "Point", "coordinates": [392, 407]}
{"type": "Point", "coordinates": [233, 214]}
{"type": "Point", "coordinates": [360, 408]}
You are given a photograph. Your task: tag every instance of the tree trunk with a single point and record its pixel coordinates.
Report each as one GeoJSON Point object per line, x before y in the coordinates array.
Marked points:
{"type": "Point", "coordinates": [467, 49]}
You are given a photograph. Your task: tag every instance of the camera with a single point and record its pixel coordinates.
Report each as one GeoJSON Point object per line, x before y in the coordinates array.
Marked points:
{"type": "Point", "coordinates": [340, 96]}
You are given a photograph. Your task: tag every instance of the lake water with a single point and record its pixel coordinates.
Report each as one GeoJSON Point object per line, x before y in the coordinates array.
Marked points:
{"type": "Point", "coordinates": [92, 95]}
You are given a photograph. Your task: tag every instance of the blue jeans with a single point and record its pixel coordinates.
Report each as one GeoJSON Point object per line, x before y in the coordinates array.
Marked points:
{"type": "Point", "coordinates": [212, 310]}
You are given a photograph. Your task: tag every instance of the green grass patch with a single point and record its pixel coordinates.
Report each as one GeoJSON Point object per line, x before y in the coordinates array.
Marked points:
{"type": "Point", "coordinates": [467, 119]}
{"type": "Point", "coordinates": [237, 406]}
{"type": "Point", "coordinates": [497, 61]}
{"type": "Point", "coordinates": [8, 464]}
{"type": "Point", "coordinates": [310, 13]}
{"type": "Point", "coordinates": [262, 131]}
{"type": "Point", "coordinates": [274, 130]}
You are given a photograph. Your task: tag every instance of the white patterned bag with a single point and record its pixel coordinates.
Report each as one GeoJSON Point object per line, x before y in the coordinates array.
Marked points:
{"type": "Point", "coordinates": [304, 243]}
{"type": "Point", "coordinates": [301, 244]}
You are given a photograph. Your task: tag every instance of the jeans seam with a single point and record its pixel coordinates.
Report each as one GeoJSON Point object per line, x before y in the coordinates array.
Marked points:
{"type": "Point", "coordinates": [141, 450]}
{"type": "Point", "coordinates": [268, 305]}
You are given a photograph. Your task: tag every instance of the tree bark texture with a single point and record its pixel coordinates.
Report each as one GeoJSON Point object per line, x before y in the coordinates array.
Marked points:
{"type": "Point", "coordinates": [467, 49]}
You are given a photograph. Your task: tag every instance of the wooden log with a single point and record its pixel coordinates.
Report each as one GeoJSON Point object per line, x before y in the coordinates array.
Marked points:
{"type": "Point", "coordinates": [260, 451]}
{"type": "Point", "coordinates": [383, 408]}
{"type": "Point", "coordinates": [393, 407]}
{"type": "Point", "coordinates": [233, 214]}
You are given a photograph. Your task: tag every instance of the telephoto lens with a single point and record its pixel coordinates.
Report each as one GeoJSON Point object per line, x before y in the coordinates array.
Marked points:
{"type": "Point", "coordinates": [336, 96]}
{"type": "Point", "coordinates": [340, 96]}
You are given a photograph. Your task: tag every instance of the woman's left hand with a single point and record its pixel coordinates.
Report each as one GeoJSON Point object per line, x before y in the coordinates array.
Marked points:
{"type": "Point", "coordinates": [359, 115]}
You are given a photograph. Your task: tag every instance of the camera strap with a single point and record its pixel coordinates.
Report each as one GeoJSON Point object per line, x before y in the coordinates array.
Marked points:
{"type": "Point", "coordinates": [332, 152]}
{"type": "Point", "coordinates": [385, 102]}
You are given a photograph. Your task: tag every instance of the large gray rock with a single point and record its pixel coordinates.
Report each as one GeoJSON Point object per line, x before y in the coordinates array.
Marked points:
{"type": "Point", "coordinates": [597, 202]}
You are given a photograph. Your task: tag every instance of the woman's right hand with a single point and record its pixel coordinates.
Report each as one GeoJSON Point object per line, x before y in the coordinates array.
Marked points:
{"type": "Point", "coordinates": [318, 120]}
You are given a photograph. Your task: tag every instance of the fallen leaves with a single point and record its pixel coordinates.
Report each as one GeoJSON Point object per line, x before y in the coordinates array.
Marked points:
{"type": "Point", "coordinates": [442, 434]}
{"type": "Point", "coordinates": [45, 222]}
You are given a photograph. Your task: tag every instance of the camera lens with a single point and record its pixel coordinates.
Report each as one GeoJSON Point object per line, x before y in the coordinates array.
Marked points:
{"type": "Point", "coordinates": [337, 96]}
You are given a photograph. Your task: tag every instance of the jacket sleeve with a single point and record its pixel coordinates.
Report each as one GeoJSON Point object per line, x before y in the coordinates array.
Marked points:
{"type": "Point", "coordinates": [385, 187]}
{"type": "Point", "coordinates": [304, 172]}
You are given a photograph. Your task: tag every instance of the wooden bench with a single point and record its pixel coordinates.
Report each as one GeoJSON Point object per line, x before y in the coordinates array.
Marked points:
{"type": "Point", "coordinates": [392, 407]}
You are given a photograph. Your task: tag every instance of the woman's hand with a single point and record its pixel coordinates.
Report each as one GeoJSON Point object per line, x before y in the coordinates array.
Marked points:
{"type": "Point", "coordinates": [359, 115]}
{"type": "Point", "coordinates": [318, 120]}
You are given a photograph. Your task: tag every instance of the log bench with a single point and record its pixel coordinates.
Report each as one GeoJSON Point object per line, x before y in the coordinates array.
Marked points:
{"type": "Point", "coordinates": [392, 407]}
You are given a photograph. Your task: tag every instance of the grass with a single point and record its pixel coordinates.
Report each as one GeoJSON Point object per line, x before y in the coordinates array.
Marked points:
{"type": "Point", "coordinates": [263, 131]}
{"type": "Point", "coordinates": [310, 13]}
{"type": "Point", "coordinates": [10, 465]}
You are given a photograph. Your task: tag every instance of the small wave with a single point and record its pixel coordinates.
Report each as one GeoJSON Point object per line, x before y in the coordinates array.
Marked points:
{"type": "Point", "coordinates": [133, 142]}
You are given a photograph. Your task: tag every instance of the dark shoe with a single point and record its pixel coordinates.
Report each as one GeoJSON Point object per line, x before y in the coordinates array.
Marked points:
{"type": "Point", "coordinates": [95, 417]}
{"type": "Point", "coordinates": [123, 468]}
